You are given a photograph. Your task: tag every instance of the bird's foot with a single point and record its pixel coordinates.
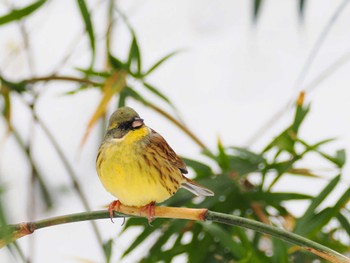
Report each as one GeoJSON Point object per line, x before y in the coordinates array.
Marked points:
{"type": "Point", "coordinates": [114, 206]}
{"type": "Point", "coordinates": [150, 211]}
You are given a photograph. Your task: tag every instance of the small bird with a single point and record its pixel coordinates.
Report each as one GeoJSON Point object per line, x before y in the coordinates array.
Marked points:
{"type": "Point", "coordinates": [136, 164]}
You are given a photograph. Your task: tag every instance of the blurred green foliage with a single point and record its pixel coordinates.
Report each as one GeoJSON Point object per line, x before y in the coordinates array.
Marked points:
{"type": "Point", "coordinates": [229, 171]}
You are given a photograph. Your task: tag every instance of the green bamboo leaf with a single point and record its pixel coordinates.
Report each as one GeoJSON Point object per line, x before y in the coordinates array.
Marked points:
{"type": "Point", "coordinates": [167, 231]}
{"type": "Point", "coordinates": [17, 14]}
{"type": "Point", "coordinates": [222, 158]}
{"type": "Point", "coordinates": [143, 236]}
{"type": "Point", "coordinates": [256, 9]}
{"type": "Point", "coordinates": [243, 161]}
{"type": "Point", "coordinates": [134, 56]}
{"type": "Point", "coordinates": [3, 218]}
{"type": "Point", "coordinates": [93, 73]}
{"type": "Point", "coordinates": [6, 111]}
{"type": "Point", "coordinates": [116, 63]}
{"type": "Point", "coordinates": [303, 222]}
{"type": "Point", "coordinates": [88, 26]}
{"type": "Point", "coordinates": [201, 169]}
{"type": "Point", "coordinates": [339, 158]}
{"type": "Point", "coordinates": [280, 251]}
{"type": "Point", "coordinates": [107, 249]}
{"type": "Point", "coordinates": [159, 62]}
{"type": "Point", "coordinates": [158, 93]}
{"type": "Point", "coordinates": [122, 97]}
{"type": "Point", "coordinates": [300, 114]}
{"type": "Point", "coordinates": [226, 240]}
{"type": "Point", "coordinates": [12, 86]}
{"type": "Point", "coordinates": [200, 245]}
{"type": "Point", "coordinates": [82, 87]}
{"type": "Point", "coordinates": [344, 222]}
{"type": "Point", "coordinates": [321, 219]}
{"type": "Point", "coordinates": [275, 197]}
{"type": "Point", "coordinates": [301, 8]}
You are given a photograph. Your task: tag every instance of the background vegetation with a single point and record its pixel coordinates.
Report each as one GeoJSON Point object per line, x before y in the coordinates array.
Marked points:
{"type": "Point", "coordinates": [243, 179]}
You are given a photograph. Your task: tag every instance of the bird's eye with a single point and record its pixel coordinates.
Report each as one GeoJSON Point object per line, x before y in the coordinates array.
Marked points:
{"type": "Point", "coordinates": [125, 125]}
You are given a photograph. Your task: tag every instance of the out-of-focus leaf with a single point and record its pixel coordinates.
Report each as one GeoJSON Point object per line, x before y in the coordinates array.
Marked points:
{"type": "Point", "coordinates": [143, 236]}
{"type": "Point", "coordinates": [275, 197]}
{"type": "Point", "coordinates": [300, 114]}
{"type": "Point", "coordinates": [243, 161]}
{"type": "Point", "coordinates": [79, 89]}
{"type": "Point", "coordinates": [169, 230]}
{"type": "Point", "coordinates": [226, 240]}
{"type": "Point", "coordinates": [12, 86]}
{"type": "Point", "coordinates": [301, 8]}
{"type": "Point", "coordinates": [6, 111]}
{"type": "Point", "coordinates": [200, 245]}
{"type": "Point", "coordinates": [116, 63]}
{"type": "Point", "coordinates": [322, 218]}
{"type": "Point", "coordinates": [134, 56]}
{"type": "Point", "coordinates": [3, 219]}
{"type": "Point", "coordinates": [93, 73]}
{"type": "Point", "coordinates": [339, 158]}
{"type": "Point", "coordinates": [222, 158]}
{"type": "Point", "coordinates": [17, 14]}
{"type": "Point", "coordinates": [113, 85]}
{"type": "Point", "coordinates": [302, 172]}
{"type": "Point", "coordinates": [200, 168]}
{"type": "Point", "coordinates": [157, 92]}
{"type": "Point", "coordinates": [281, 168]}
{"type": "Point", "coordinates": [122, 97]}
{"type": "Point", "coordinates": [158, 63]}
{"type": "Point", "coordinates": [256, 9]}
{"type": "Point", "coordinates": [107, 249]}
{"type": "Point", "coordinates": [344, 222]}
{"type": "Point", "coordinates": [286, 140]}
{"type": "Point", "coordinates": [280, 251]}
{"type": "Point", "coordinates": [88, 26]}
{"type": "Point", "coordinates": [302, 224]}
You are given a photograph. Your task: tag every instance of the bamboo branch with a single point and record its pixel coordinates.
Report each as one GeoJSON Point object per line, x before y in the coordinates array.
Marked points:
{"type": "Point", "coordinates": [62, 78]}
{"type": "Point", "coordinates": [11, 233]}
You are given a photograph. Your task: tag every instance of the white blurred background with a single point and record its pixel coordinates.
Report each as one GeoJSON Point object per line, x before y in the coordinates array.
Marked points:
{"type": "Point", "coordinates": [229, 80]}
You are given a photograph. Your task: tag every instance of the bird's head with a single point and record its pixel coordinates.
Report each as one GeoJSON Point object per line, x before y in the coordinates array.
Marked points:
{"type": "Point", "coordinates": [122, 121]}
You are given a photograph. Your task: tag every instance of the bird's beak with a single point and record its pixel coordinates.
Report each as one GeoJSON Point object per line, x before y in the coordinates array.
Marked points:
{"type": "Point", "coordinates": [138, 122]}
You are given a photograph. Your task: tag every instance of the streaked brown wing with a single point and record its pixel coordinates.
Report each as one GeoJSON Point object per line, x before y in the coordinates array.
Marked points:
{"type": "Point", "coordinates": [168, 153]}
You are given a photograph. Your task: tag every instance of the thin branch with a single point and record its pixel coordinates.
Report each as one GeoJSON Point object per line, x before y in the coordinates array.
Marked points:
{"type": "Point", "coordinates": [13, 232]}
{"type": "Point", "coordinates": [64, 78]}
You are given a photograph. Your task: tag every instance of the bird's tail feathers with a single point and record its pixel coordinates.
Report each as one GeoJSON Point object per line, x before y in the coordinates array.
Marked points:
{"type": "Point", "coordinates": [196, 188]}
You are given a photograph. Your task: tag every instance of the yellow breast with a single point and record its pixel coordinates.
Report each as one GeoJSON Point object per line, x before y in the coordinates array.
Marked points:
{"type": "Point", "coordinates": [132, 177]}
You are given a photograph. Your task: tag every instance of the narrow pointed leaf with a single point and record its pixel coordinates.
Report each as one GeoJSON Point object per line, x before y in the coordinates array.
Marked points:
{"type": "Point", "coordinates": [302, 223]}
{"type": "Point", "coordinates": [88, 26]}
{"type": "Point", "coordinates": [225, 239]}
{"type": "Point", "coordinates": [344, 222]}
{"type": "Point", "coordinates": [6, 111]}
{"type": "Point", "coordinates": [17, 14]}
{"type": "Point", "coordinates": [116, 63]}
{"type": "Point", "coordinates": [256, 9]}
{"type": "Point", "coordinates": [107, 249]}
{"type": "Point", "coordinates": [200, 168]}
{"type": "Point", "coordinates": [301, 8]}
{"type": "Point", "coordinates": [157, 92]}
{"type": "Point", "coordinates": [159, 62]}
{"type": "Point", "coordinates": [93, 73]}
{"type": "Point", "coordinates": [134, 56]}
